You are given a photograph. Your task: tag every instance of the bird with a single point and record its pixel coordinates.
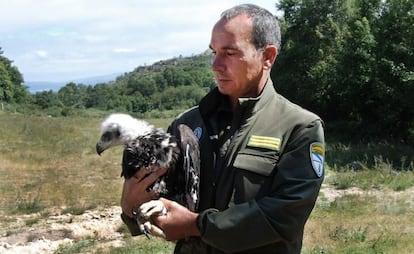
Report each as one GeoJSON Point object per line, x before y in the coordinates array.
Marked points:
{"type": "Point", "coordinates": [146, 146]}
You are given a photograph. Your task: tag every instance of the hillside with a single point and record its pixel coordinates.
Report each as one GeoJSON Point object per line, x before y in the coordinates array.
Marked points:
{"type": "Point", "coordinates": [173, 84]}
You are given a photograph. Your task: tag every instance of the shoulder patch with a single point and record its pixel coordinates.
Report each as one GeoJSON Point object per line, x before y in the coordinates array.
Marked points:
{"type": "Point", "coordinates": [198, 132]}
{"type": "Point", "coordinates": [264, 142]}
{"type": "Point", "coordinates": [317, 154]}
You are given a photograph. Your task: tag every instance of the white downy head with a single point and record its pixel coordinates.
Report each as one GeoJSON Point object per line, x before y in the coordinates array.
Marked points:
{"type": "Point", "coordinates": [119, 129]}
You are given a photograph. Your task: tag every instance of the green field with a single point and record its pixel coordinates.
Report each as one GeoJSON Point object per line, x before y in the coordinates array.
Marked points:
{"type": "Point", "coordinates": [48, 162]}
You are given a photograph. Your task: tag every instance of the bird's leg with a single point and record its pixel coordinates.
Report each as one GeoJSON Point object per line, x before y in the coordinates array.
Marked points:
{"type": "Point", "coordinates": [143, 224]}
{"type": "Point", "coordinates": [146, 228]}
{"type": "Point", "coordinates": [144, 213]}
{"type": "Point", "coordinates": [153, 207]}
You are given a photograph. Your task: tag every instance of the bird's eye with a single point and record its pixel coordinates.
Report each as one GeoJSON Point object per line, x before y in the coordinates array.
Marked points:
{"type": "Point", "coordinates": [109, 135]}
{"type": "Point", "coordinates": [106, 136]}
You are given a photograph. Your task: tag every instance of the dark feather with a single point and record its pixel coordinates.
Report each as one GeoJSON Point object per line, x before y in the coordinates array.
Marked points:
{"type": "Point", "coordinates": [158, 149]}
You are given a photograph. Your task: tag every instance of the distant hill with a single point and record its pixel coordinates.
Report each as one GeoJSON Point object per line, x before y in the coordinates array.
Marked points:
{"type": "Point", "coordinates": [191, 64]}
{"type": "Point", "coordinates": [173, 84]}
{"type": "Point", "coordinates": [38, 86]}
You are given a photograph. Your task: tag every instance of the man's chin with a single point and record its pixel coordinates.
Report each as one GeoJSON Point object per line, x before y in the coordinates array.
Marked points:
{"type": "Point", "coordinates": [225, 88]}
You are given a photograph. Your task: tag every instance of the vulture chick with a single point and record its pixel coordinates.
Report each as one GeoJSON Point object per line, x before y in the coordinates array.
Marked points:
{"type": "Point", "coordinates": [147, 146]}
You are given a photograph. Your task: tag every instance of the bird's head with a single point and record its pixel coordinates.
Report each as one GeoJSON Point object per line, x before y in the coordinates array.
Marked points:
{"type": "Point", "coordinates": [120, 129]}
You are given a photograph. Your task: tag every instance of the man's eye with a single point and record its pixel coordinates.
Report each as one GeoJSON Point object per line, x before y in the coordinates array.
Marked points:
{"type": "Point", "coordinates": [231, 53]}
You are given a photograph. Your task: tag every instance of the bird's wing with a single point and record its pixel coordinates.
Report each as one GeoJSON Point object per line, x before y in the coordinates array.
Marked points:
{"type": "Point", "coordinates": [191, 165]}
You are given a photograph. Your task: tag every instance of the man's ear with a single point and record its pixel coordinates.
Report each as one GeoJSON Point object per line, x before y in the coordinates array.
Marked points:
{"type": "Point", "coordinates": [269, 56]}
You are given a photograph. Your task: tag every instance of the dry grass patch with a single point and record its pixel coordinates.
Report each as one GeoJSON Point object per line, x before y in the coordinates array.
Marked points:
{"type": "Point", "coordinates": [361, 221]}
{"type": "Point", "coordinates": [52, 162]}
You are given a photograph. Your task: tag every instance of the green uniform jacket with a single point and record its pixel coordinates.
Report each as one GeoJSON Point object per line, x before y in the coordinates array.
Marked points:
{"type": "Point", "coordinates": [259, 185]}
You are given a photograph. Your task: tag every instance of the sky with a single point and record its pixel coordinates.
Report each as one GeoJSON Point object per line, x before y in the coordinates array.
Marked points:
{"type": "Point", "coordinates": [63, 40]}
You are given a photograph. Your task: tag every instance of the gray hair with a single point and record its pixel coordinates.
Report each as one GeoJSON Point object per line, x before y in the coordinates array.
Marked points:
{"type": "Point", "coordinates": [266, 29]}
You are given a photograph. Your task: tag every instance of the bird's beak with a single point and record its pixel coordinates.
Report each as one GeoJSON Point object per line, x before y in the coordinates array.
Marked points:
{"type": "Point", "coordinates": [100, 148]}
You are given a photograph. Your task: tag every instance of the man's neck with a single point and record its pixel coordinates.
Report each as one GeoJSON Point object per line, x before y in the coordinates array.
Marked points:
{"type": "Point", "coordinates": [234, 101]}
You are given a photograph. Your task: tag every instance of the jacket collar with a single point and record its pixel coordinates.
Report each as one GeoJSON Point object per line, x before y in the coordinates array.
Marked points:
{"type": "Point", "coordinates": [215, 101]}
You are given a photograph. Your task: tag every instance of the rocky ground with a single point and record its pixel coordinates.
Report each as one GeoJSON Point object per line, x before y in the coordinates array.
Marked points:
{"type": "Point", "coordinates": [47, 234]}
{"type": "Point", "coordinates": [36, 233]}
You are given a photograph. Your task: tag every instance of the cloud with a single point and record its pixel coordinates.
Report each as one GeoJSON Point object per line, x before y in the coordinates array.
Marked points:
{"type": "Point", "coordinates": [124, 50]}
{"type": "Point", "coordinates": [41, 53]}
{"type": "Point", "coordinates": [65, 39]}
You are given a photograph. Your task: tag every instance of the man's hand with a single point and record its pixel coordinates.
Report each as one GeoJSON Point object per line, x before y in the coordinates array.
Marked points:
{"type": "Point", "coordinates": [178, 223]}
{"type": "Point", "coordinates": [135, 191]}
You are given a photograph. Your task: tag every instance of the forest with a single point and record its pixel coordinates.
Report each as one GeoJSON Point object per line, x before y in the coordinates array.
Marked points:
{"type": "Point", "coordinates": [350, 61]}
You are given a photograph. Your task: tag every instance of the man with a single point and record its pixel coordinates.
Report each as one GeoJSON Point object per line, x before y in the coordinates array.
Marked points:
{"type": "Point", "coordinates": [261, 155]}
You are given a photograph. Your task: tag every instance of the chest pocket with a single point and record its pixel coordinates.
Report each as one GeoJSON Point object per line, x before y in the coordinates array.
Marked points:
{"type": "Point", "coordinates": [253, 169]}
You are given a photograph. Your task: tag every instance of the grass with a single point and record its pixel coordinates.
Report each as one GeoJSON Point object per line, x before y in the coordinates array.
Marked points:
{"type": "Point", "coordinates": [51, 162]}
{"type": "Point", "coordinates": [373, 179]}
{"type": "Point", "coordinates": [380, 154]}
{"type": "Point", "coordinates": [78, 209]}
{"type": "Point", "coordinates": [143, 246]}
{"type": "Point", "coordinates": [78, 247]}
{"type": "Point", "coordinates": [132, 246]}
{"type": "Point", "coordinates": [361, 224]}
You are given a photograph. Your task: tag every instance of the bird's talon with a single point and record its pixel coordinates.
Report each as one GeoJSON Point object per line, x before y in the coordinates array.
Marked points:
{"type": "Point", "coordinates": [147, 233]}
{"type": "Point", "coordinates": [146, 229]}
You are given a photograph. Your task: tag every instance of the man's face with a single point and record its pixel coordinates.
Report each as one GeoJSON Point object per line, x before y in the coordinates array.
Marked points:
{"type": "Point", "coordinates": [237, 65]}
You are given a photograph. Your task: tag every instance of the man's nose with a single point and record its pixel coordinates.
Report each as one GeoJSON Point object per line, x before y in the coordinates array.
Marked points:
{"type": "Point", "coordinates": [217, 63]}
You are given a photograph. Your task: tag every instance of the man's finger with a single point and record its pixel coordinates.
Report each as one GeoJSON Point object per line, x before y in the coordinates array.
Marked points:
{"type": "Point", "coordinates": [167, 203]}
{"type": "Point", "coordinates": [156, 169]}
{"type": "Point", "coordinates": [141, 173]}
{"type": "Point", "coordinates": [157, 231]}
{"type": "Point", "coordinates": [151, 178]}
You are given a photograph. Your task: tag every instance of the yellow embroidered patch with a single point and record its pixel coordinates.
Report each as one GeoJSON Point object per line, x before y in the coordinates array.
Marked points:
{"type": "Point", "coordinates": [318, 148]}
{"type": "Point", "coordinates": [264, 142]}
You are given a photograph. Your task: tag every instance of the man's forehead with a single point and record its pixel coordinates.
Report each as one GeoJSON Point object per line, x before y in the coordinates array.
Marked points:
{"type": "Point", "coordinates": [228, 34]}
{"type": "Point", "coordinates": [240, 22]}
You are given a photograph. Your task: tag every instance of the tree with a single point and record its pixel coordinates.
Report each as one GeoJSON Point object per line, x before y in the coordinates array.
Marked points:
{"type": "Point", "coordinates": [353, 91]}
{"type": "Point", "coordinates": [72, 95]}
{"type": "Point", "coordinates": [395, 35]}
{"type": "Point", "coordinates": [12, 89]}
{"type": "Point", "coordinates": [350, 61]}
{"type": "Point", "coordinates": [6, 85]}
{"type": "Point", "coordinates": [144, 85]}
{"type": "Point", "coordinates": [46, 99]}
{"type": "Point", "coordinates": [97, 96]}
{"type": "Point", "coordinates": [312, 38]}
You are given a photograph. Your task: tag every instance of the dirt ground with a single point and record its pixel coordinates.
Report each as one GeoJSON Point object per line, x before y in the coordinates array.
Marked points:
{"type": "Point", "coordinates": [35, 233]}
{"type": "Point", "coordinates": [47, 234]}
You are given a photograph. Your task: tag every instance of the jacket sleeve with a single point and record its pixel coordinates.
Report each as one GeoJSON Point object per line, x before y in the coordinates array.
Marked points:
{"type": "Point", "coordinates": [279, 215]}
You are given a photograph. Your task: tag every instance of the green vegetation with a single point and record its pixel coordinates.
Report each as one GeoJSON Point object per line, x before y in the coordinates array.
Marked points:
{"type": "Point", "coordinates": [50, 162]}
{"type": "Point", "coordinates": [349, 61]}
{"type": "Point", "coordinates": [133, 245]}
{"type": "Point", "coordinates": [362, 223]}
{"type": "Point", "coordinates": [78, 247]}
{"type": "Point", "coordinates": [143, 246]}
{"type": "Point", "coordinates": [377, 178]}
